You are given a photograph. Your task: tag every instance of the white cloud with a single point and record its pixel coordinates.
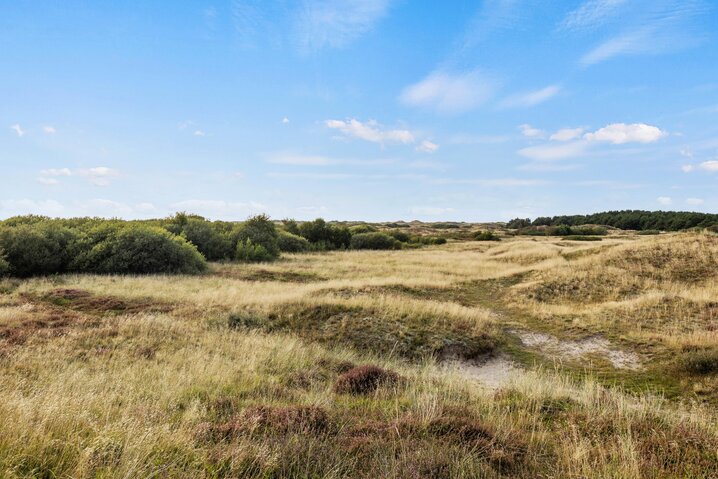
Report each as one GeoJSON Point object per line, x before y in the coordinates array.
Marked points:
{"type": "Point", "coordinates": [56, 172]}
{"type": "Point", "coordinates": [450, 93]}
{"type": "Point", "coordinates": [567, 134]}
{"type": "Point", "coordinates": [185, 124]}
{"type": "Point", "coordinates": [620, 133]}
{"type": "Point", "coordinates": [427, 146]}
{"type": "Point", "coordinates": [336, 23]}
{"type": "Point", "coordinates": [664, 200]}
{"type": "Point", "coordinates": [711, 165]}
{"type": "Point", "coordinates": [285, 120]}
{"type": "Point", "coordinates": [430, 210]}
{"type": "Point", "coordinates": [98, 176]}
{"type": "Point", "coordinates": [47, 181]}
{"type": "Point", "coordinates": [532, 98]}
{"type": "Point", "coordinates": [50, 130]}
{"type": "Point", "coordinates": [688, 168]}
{"type": "Point", "coordinates": [199, 133]}
{"type": "Point", "coordinates": [530, 132]}
{"type": "Point", "coordinates": [694, 201]}
{"type": "Point", "coordinates": [17, 129]}
{"type": "Point", "coordinates": [550, 152]}
{"type": "Point", "coordinates": [370, 131]}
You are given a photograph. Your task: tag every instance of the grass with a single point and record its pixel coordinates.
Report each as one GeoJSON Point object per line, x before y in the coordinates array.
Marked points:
{"type": "Point", "coordinates": [342, 365]}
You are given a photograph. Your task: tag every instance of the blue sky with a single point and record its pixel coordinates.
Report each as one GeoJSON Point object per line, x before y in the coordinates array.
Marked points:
{"type": "Point", "coordinates": [358, 109]}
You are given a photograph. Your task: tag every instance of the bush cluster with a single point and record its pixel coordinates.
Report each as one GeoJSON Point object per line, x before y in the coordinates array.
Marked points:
{"type": "Point", "coordinates": [627, 220]}
{"type": "Point", "coordinates": [563, 230]}
{"type": "Point", "coordinates": [374, 241]}
{"type": "Point", "coordinates": [486, 235]}
{"type": "Point", "coordinates": [292, 243]}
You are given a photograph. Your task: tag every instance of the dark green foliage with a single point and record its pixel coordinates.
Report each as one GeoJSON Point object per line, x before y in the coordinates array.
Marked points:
{"type": "Point", "coordinates": [649, 232]}
{"type": "Point", "coordinates": [374, 241]}
{"type": "Point", "coordinates": [446, 226]}
{"type": "Point", "coordinates": [250, 252]}
{"type": "Point", "coordinates": [399, 235]}
{"type": "Point", "coordinates": [214, 245]}
{"type": "Point", "coordinates": [428, 240]}
{"type": "Point", "coordinates": [702, 361]}
{"type": "Point", "coordinates": [518, 223]}
{"type": "Point", "coordinates": [325, 236]}
{"type": "Point", "coordinates": [486, 236]}
{"type": "Point", "coordinates": [636, 220]}
{"type": "Point", "coordinates": [138, 249]}
{"type": "Point", "coordinates": [358, 229]}
{"type": "Point", "coordinates": [291, 226]}
{"type": "Point", "coordinates": [582, 238]}
{"type": "Point", "coordinates": [38, 248]}
{"type": "Point", "coordinates": [563, 230]}
{"type": "Point", "coordinates": [713, 228]}
{"type": "Point", "coordinates": [4, 265]}
{"type": "Point", "coordinates": [291, 243]}
{"type": "Point", "coordinates": [257, 238]}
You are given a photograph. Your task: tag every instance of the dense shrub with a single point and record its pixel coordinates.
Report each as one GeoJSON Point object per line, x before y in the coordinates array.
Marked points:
{"type": "Point", "coordinates": [563, 230]}
{"type": "Point", "coordinates": [138, 249]}
{"type": "Point", "coordinates": [358, 229]}
{"type": "Point", "coordinates": [257, 238]}
{"type": "Point", "coordinates": [214, 245]}
{"type": "Point", "coordinates": [400, 236]}
{"type": "Point", "coordinates": [249, 252]}
{"type": "Point", "coordinates": [582, 238]}
{"type": "Point", "coordinates": [4, 265]}
{"type": "Point", "coordinates": [704, 361]}
{"type": "Point", "coordinates": [291, 243]}
{"type": "Point", "coordinates": [635, 220]}
{"type": "Point", "coordinates": [38, 248]}
{"type": "Point", "coordinates": [713, 228]}
{"type": "Point", "coordinates": [428, 240]}
{"type": "Point", "coordinates": [325, 236]}
{"type": "Point", "coordinates": [374, 241]}
{"type": "Point", "coordinates": [486, 235]}
{"type": "Point", "coordinates": [291, 226]}
{"type": "Point", "coordinates": [518, 223]}
{"type": "Point", "coordinates": [364, 380]}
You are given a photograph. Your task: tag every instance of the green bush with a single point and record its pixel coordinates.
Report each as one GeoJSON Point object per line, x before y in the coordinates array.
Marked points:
{"type": "Point", "coordinates": [255, 232]}
{"type": "Point", "coordinates": [249, 252]}
{"type": "Point", "coordinates": [4, 265]}
{"type": "Point", "coordinates": [582, 238]}
{"type": "Point", "coordinates": [291, 243]}
{"type": "Point", "coordinates": [713, 228]}
{"type": "Point", "coordinates": [138, 249]}
{"type": "Point", "coordinates": [291, 226]}
{"type": "Point", "coordinates": [214, 245]}
{"type": "Point", "coordinates": [704, 361]}
{"type": "Point", "coordinates": [38, 248]}
{"type": "Point", "coordinates": [400, 236]}
{"type": "Point", "coordinates": [648, 232]}
{"type": "Point", "coordinates": [359, 229]}
{"type": "Point", "coordinates": [374, 241]}
{"type": "Point", "coordinates": [324, 236]}
{"type": "Point", "coordinates": [486, 235]}
{"type": "Point", "coordinates": [427, 240]}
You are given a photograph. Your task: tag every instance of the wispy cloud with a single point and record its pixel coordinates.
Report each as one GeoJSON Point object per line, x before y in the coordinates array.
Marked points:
{"type": "Point", "coordinates": [427, 146]}
{"type": "Point", "coordinates": [567, 134]}
{"type": "Point", "coordinates": [98, 176]}
{"type": "Point", "coordinates": [530, 132]}
{"type": "Point", "coordinates": [710, 165]}
{"type": "Point", "coordinates": [529, 99]}
{"type": "Point", "coordinates": [694, 201]}
{"type": "Point", "coordinates": [370, 131]}
{"type": "Point", "coordinates": [335, 23]}
{"type": "Point", "coordinates": [664, 200]}
{"type": "Point", "coordinates": [643, 27]}
{"type": "Point", "coordinates": [550, 152]}
{"type": "Point", "coordinates": [17, 129]}
{"type": "Point", "coordinates": [50, 130]}
{"type": "Point", "coordinates": [450, 92]}
{"type": "Point", "coordinates": [620, 133]}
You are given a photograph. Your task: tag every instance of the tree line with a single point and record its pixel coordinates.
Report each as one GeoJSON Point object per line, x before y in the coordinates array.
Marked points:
{"type": "Point", "coordinates": [627, 220]}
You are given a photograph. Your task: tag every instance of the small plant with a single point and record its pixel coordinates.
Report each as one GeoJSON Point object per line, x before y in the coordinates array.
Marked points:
{"type": "Point", "coordinates": [249, 252]}
{"type": "Point", "coordinates": [703, 361]}
{"type": "Point", "coordinates": [364, 380]}
{"type": "Point", "coordinates": [291, 243]}
{"type": "Point", "coordinates": [374, 241]}
{"type": "Point", "coordinates": [486, 235]}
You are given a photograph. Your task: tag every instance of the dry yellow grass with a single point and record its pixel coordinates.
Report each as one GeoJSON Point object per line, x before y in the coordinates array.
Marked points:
{"type": "Point", "coordinates": [106, 393]}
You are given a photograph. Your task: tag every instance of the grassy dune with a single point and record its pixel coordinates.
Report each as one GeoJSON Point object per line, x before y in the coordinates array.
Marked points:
{"type": "Point", "coordinates": [238, 372]}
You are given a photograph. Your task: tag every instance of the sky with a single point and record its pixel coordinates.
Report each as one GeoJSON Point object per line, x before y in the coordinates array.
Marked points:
{"type": "Point", "coordinates": [375, 110]}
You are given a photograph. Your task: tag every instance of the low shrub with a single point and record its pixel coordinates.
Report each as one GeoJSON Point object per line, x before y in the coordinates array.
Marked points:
{"type": "Point", "coordinates": [374, 241]}
{"type": "Point", "coordinates": [213, 245]}
{"type": "Point", "coordinates": [257, 240]}
{"type": "Point", "coordinates": [581, 238]}
{"type": "Point", "coordinates": [364, 380]}
{"type": "Point", "coordinates": [291, 243]}
{"type": "Point", "coordinates": [359, 229]}
{"type": "Point", "coordinates": [324, 236]}
{"type": "Point", "coordinates": [703, 361]}
{"type": "Point", "coordinates": [486, 235]}
{"type": "Point", "coordinates": [648, 232]}
{"type": "Point", "coordinates": [400, 236]}
{"type": "Point", "coordinates": [428, 240]}
{"type": "Point", "coordinates": [39, 248]}
{"type": "Point", "coordinates": [713, 228]}
{"type": "Point", "coordinates": [249, 252]}
{"type": "Point", "coordinates": [138, 249]}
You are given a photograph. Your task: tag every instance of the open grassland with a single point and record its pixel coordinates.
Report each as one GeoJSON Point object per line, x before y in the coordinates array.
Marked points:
{"type": "Point", "coordinates": [607, 357]}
